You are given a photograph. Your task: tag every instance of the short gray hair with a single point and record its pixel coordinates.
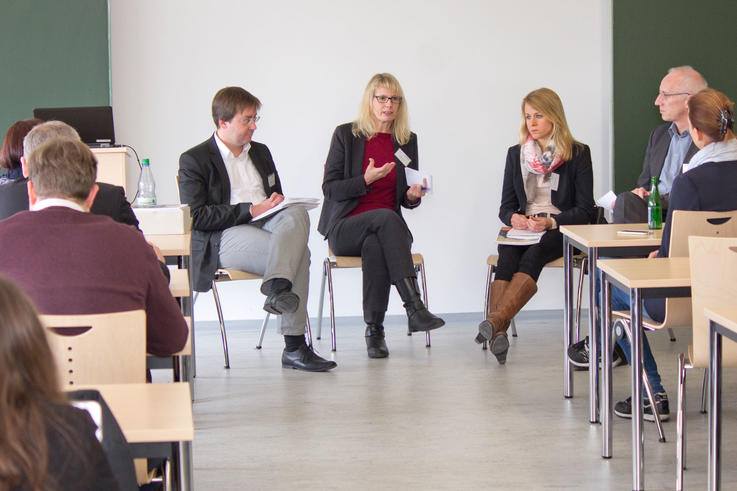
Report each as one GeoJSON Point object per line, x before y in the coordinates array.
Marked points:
{"type": "Point", "coordinates": [50, 130]}
{"type": "Point", "coordinates": [691, 80]}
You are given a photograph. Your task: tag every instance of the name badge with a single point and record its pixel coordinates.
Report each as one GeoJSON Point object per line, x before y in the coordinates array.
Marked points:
{"type": "Point", "coordinates": [403, 158]}
{"type": "Point", "coordinates": [271, 179]}
{"type": "Point", "coordinates": [554, 180]}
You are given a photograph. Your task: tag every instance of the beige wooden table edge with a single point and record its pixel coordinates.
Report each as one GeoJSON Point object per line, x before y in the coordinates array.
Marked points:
{"type": "Point", "coordinates": [150, 413]}
{"type": "Point", "coordinates": [724, 316]}
{"type": "Point", "coordinates": [661, 272]}
{"type": "Point", "coordinates": [606, 235]}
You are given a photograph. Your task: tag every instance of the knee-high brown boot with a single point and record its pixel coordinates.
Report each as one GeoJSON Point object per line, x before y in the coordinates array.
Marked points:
{"type": "Point", "coordinates": [496, 292]}
{"type": "Point", "coordinates": [517, 293]}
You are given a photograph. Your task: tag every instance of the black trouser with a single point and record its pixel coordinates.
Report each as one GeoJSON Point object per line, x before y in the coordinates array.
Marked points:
{"type": "Point", "coordinates": [529, 259]}
{"type": "Point", "coordinates": [383, 241]}
{"type": "Point", "coordinates": [630, 208]}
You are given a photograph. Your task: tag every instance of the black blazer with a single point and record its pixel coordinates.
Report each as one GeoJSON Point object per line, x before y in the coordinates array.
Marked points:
{"type": "Point", "coordinates": [110, 201]}
{"type": "Point", "coordinates": [575, 194]}
{"type": "Point", "coordinates": [204, 185]}
{"type": "Point", "coordinates": [343, 183]}
{"type": "Point", "coordinates": [657, 150]}
{"type": "Point", "coordinates": [708, 187]}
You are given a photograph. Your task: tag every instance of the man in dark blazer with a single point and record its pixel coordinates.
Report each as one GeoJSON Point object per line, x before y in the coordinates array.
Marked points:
{"type": "Point", "coordinates": [227, 180]}
{"type": "Point", "coordinates": [669, 147]}
{"type": "Point", "coordinates": [70, 261]}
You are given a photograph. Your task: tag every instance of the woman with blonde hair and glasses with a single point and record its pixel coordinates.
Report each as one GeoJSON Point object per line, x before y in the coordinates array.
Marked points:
{"type": "Point", "coordinates": [365, 187]}
{"type": "Point", "coordinates": [45, 444]}
{"type": "Point", "coordinates": [548, 182]}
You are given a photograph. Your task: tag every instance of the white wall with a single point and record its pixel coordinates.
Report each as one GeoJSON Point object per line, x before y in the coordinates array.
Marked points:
{"type": "Point", "coordinates": [464, 65]}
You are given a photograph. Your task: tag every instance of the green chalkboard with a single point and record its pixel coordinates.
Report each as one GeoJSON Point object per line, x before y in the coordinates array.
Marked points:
{"type": "Point", "coordinates": [651, 36]}
{"type": "Point", "coordinates": [54, 53]}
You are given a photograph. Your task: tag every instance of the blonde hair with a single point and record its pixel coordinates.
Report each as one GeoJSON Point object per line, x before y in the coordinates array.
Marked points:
{"type": "Point", "coordinates": [364, 124]}
{"type": "Point", "coordinates": [548, 103]}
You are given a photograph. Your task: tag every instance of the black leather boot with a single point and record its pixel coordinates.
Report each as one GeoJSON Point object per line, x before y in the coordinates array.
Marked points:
{"type": "Point", "coordinates": [375, 343]}
{"type": "Point", "coordinates": [418, 317]}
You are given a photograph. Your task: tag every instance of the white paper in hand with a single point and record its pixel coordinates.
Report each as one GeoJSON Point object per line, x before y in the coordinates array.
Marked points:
{"type": "Point", "coordinates": [416, 177]}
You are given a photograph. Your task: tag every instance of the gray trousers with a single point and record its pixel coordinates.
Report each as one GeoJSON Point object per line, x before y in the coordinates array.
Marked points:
{"type": "Point", "coordinates": [274, 248]}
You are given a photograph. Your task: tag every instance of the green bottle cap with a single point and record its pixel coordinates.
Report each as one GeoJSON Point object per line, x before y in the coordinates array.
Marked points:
{"type": "Point", "coordinates": [144, 162]}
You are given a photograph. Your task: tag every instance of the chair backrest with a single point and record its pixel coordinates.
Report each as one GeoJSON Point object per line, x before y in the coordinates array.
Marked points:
{"type": "Point", "coordinates": [686, 223]}
{"type": "Point", "coordinates": [98, 348]}
{"type": "Point", "coordinates": [713, 271]}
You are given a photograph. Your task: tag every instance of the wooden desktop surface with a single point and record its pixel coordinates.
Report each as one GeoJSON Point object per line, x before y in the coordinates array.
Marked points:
{"type": "Point", "coordinates": [659, 272]}
{"type": "Point", "coordinates": [607, 235]}
{"type": "Point", "coordinates": [149, 413]}
{"type": "Point", "coordinates": [724, 316]}
{"type": "Point", "coordinates": [171, 245]}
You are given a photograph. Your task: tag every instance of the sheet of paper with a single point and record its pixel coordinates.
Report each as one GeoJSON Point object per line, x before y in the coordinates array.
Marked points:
{"type": "Point", "coordinates": [607, 201]}
{"type": "Point", "coordinates": [416, 177]}
{"type": "Point", "coordinates": [523, 234]}
{"type": "Point", "coordinates": [308, 203]}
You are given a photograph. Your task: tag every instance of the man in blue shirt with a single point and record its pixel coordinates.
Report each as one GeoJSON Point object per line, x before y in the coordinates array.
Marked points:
{"type": "Point", "coordinates": [669, 147]}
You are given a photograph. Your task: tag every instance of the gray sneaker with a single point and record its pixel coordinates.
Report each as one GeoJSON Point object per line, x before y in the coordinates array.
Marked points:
{"type": "Point", "coordinates": [623, 409]}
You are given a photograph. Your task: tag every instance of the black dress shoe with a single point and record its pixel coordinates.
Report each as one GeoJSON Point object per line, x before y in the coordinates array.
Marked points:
{"type": "Point", "coordinates": [375, 343]}
{"type": "Point", "coordinates": [303, 358]}
{"type": "Point", "coordinates": [284, 302]}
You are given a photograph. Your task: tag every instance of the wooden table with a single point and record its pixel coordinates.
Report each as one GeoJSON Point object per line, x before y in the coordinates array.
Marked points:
{"type": "Point", "coordinates": [178, 245]}
{"type": "Point", "coordinates": [722, 322]}
{"type": "Point", "coordinates": [643, 278]}
{"type": "Point", "coordinates": [156, 420]}
{"type": "Point", "coordinates": [595, 240]}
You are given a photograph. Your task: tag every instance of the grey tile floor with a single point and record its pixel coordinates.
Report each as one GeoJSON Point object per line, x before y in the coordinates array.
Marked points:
{"type": "Point", "coordinates": [448, 417]}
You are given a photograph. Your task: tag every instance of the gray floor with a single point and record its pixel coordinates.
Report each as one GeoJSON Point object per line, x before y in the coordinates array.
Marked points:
{"type": "Point", "coordinates": [448, 417]}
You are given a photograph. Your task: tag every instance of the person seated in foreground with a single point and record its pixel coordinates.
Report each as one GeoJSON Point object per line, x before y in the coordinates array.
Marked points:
{"type": "Point", "coordinates": [548, 182]}
{"type": "Point", "coordinates": [362, 212]}
{"type": "Point", "coordinates": [710, 184]}
{"type": "Point", "coordinates": [70, 261]}
{"type": "Point", "coordinates": [45, 443]}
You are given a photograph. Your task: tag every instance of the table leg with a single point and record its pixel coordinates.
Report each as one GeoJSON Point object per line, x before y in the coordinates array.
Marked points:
{"type": "Point", "coordinates": [606, 361]}
{"type": "Point", "coordinates": [567, 316]}
{"type": "Point", "coordinates": [593, 341]}
{"type": "Point", "coordinates": [638, 444]}
{"type": "Point", "coordinates": [185, 466]}
{"type": "Point", "coordinates": [715, 407]}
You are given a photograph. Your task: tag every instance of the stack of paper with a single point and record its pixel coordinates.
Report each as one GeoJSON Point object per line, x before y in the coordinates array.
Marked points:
{"type": "Point", "coordinates": [307, 203]}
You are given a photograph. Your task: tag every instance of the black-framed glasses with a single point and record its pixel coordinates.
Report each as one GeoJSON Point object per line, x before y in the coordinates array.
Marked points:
{"type": "Point", "coordinates": [250, 119]}
{"type": "Point", "coordinates": [384, 99]}
{"type": "Point", "coordinates": [665, 95]}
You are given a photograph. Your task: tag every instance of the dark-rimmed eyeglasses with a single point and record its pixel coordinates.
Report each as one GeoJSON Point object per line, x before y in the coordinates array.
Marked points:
{"type": "Point", "coordinates": [384, 99]}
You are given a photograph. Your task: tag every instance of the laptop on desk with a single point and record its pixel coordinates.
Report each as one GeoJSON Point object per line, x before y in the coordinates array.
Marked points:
{"type": "Point", "coordinates": [93, 123]}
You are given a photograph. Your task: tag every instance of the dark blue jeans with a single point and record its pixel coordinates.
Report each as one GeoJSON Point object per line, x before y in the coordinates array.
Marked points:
{"type": "Point", "coordinates": [621, 301]}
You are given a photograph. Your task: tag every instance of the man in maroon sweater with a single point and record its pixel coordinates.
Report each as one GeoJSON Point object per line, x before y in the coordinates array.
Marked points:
{"type": "Point", "coordinates": [72, 262]}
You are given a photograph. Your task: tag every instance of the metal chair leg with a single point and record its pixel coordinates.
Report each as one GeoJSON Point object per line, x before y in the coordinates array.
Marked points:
{"type": "Point", "coordinates": [513, 327]}
{"type": "Point", "coordinates": [329, 273]}
{"type": "Point", "coordinates": [322, 297]}
{"type": "Point", "coordinates": [309, 331]}
{"type": "Point", "coordinates": [263, 330]}
{"type": "Point", "coordinates": [222, 324]}
{"type": "Point", "coordinates": [672, 335]}
{"type": "Point", "coordinates": [681, 423]}
{"type": "Point", "coordinates": [581, 274]}
{"type": "Point", "coordinates": [704, 390]}
{"type": "Point", "coordinates": [420, 268]}
{"type": "Point", "coordinates": [648, 388]}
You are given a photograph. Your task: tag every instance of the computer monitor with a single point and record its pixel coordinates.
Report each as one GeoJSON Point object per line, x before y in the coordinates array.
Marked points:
{"type": "Point", "coordinates": [93, 123]}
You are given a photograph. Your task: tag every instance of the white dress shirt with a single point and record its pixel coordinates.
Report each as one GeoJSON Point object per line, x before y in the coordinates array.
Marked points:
{"type": "Point", "coordinates": [246, 185]}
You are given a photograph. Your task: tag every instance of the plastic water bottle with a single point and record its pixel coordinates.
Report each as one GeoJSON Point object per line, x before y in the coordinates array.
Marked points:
{"type": "Point", "coordinates": [654, 206]}
{"type": "Point", "coordinates": [146, 186]}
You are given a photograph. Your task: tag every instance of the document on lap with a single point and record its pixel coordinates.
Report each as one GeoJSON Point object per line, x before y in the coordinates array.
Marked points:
{"type": "Point", "coordinates": [511, 236]}
{"type": "Point", "coordinates": [416, 177]}
{"type": "Point", "coordinates": [307, 203]}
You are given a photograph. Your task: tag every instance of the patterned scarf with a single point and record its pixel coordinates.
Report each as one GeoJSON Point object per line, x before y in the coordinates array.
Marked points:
{"type": "Point", "coordinates": [537, 162]}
